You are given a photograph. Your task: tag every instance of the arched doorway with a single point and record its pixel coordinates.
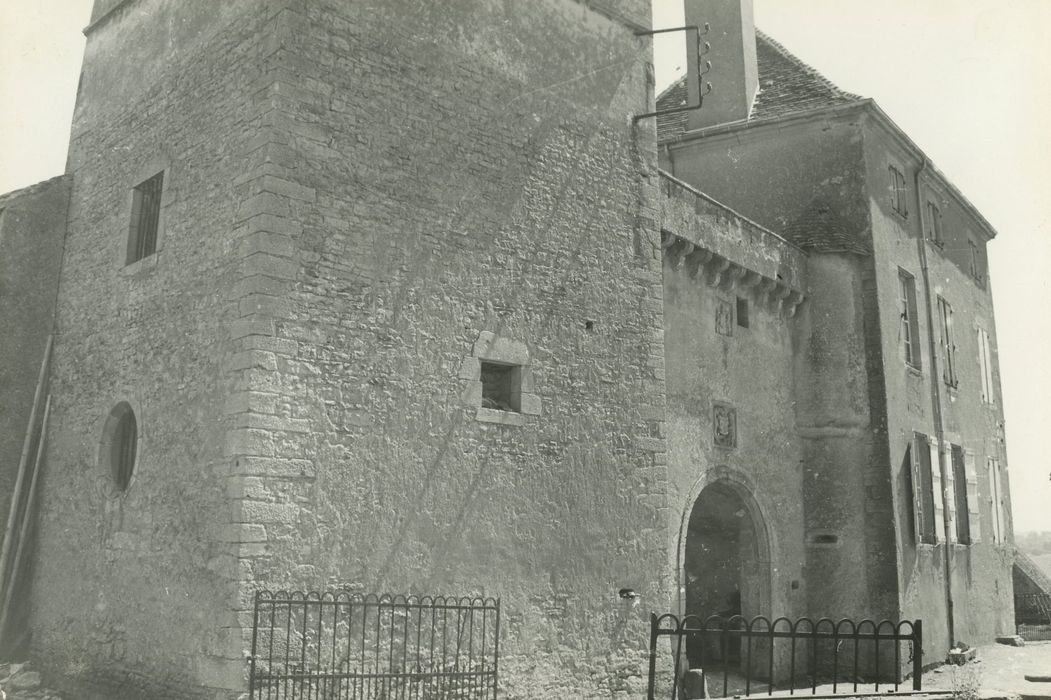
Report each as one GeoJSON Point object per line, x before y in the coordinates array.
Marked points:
{"type": "Point", "coordinates": [725, 561]}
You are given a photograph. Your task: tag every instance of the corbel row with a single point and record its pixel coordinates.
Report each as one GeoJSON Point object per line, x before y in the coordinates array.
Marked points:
{"type": "Point", "coordinates": [722, 273]}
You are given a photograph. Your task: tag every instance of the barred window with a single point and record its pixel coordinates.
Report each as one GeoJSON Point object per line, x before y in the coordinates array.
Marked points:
{"type": "Point", "coordinates": [145, 218]}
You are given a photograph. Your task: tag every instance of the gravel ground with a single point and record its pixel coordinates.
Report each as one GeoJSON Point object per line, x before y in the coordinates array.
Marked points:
{"type": "Point", "coordinates": [21, 682]}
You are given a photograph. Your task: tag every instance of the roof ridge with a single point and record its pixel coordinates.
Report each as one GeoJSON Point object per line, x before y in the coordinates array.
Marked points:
{"type": "Point", "coordinates": [32, 187]}
{"type": "Point", "coordinates": [676, 84]}
{"type": "Point", "coordinates": [806, 67]}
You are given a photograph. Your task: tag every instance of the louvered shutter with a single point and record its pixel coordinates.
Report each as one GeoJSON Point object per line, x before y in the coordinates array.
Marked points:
{"type": "Point", "coordinates": [917, 485]}
{"type": "Point", "coordinates": [983, 364]}
{"type": "Point", "coordinates": [936, 491]}
{"type": "Point", "coordinates": [975, 517]}
{"type": "Point", "coordinates": [950, 489]}
{"type": "Point", "coordinates": [988, 368]}
{"type": "Point", "coordinates": [992, 501]}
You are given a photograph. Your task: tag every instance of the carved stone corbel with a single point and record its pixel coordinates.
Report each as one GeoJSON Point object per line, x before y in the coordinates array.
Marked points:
{"type": "Point", "coordinates": [716, 268]}
{"type": "Point", "coordinates": [792, 302]}
{"type": "Point", "coordinates": [730, 278]}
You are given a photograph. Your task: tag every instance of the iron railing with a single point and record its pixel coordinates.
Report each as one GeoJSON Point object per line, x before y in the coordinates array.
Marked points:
{"type": "Point", "coordinates": [338, 645]}
{"type": "Point", "coordinates": [742, 657]}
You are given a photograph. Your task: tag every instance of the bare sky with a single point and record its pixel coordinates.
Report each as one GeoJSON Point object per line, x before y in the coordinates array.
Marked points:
{"type": "Point", "coordinates": [967, 80]}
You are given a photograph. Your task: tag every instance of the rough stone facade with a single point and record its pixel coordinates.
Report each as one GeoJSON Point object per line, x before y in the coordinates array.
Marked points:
{"type": "Point", "coordinates": [366, 208]}
{"type": "Point", "coordinates": [816, 166]}
{"type": "Point", "coordinates": [32, 228]}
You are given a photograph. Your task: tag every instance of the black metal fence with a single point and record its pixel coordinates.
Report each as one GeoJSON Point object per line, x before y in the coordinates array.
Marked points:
{"type": "Point", "coordinates": [737, 657]}
{"type": "Point", "coordinates": [339, 645]}
{"type": "Point", "coordinates": [1033, 616]}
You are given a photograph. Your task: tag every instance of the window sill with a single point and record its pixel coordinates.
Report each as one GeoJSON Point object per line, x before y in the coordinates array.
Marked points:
{"type": "Point", "coordinates": [493, 415]}
{"type": "Point", "coordinates": [141, 266]}
{"type": "Point", "coordinates": [913, 369]}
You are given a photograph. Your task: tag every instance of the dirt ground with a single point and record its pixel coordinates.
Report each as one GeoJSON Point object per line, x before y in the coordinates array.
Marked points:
{"type": "Point", "coordinates": [998, 671]}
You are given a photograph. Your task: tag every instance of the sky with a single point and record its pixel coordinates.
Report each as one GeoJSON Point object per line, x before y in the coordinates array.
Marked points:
{"type": "Point", "coordinates": [966, 80]}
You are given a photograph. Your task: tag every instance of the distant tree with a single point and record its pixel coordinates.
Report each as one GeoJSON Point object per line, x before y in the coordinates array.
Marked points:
{"type": "Point", "coordinates": [1034, 543]}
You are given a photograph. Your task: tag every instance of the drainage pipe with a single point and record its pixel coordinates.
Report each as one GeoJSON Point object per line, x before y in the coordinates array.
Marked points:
{"type": "Point", "coordinates": [936, 407]}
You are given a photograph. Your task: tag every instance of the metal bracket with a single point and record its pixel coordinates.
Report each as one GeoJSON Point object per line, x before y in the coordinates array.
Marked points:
{"type": "Point", "coordinates": [702, 68]}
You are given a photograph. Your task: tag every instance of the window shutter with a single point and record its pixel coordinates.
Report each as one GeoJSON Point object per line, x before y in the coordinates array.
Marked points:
{"type": "Point", "coordinates": [994, 514]}
{"type": "Point", "coordinates": [936, 491]}
{"type": "Point", "coordinates": [917, 486]}
{"type": "Point", "coordinates": [951, 487]}
{"type": "Point", "coordinates": [975, 519]}
{"type": "Point", "coordinates": [982, 363]}
{"type": "Point", "coordinates": [988, 367]}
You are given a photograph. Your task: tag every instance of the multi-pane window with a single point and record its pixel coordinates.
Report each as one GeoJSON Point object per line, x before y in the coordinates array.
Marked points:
{"type": "Point", "coordinates": [934, 223]}
{"type": "Point", "coordinates": [996, 500]}
{"type": "Point", "coordinates": [909, 327]}
{"type": "Point", "coordinates": [145, 218]}
{"type": "Point", "coordinates": [964, 518]}
{"type": "Point", "coordinates": [985, 364]}
{"type": "Point", "coordinates": [926, 487]}
{"type": "Point", "coordinates": [899, 195]}
{"type": "Point", "coordinates": [948, 343]}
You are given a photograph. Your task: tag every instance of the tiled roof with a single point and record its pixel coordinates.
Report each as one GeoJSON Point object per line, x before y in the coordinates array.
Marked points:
{"type": "Point", "coordinates": [786, 86]}
{"type": "Point", "coordinates": [822, 227]}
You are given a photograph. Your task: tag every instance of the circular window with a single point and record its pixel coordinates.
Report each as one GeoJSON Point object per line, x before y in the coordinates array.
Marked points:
{"type": "Point", "coordinates": [119, 444]}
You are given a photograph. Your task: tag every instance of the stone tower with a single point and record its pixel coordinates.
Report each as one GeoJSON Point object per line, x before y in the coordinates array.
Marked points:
{"type": "Point", "coordinates": [303, 236]}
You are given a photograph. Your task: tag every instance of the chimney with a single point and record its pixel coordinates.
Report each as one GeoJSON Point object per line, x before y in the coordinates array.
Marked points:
{"type": "Point", "coordinates": [734, 75]}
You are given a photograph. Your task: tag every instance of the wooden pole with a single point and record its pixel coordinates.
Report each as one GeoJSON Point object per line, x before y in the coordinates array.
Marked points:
{"type": "Point", "coordinates": [23, 533]}
{"type": "Point", "coordinates": [12, 515]}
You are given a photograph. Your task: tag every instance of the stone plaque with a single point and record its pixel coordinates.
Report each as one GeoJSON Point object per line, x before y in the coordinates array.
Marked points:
{"type": "Point", "coordinates": [724, 420]}
{"type": "Point", "coordinates": [724, 317]}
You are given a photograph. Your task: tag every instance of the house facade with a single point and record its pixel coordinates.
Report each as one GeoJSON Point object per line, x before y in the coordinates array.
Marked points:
{"type": "Point", "coordinates": [384, 297]}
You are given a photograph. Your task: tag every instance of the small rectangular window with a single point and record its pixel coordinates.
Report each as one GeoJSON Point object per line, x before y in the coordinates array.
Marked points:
{"type": "Point", "coordinates": [899, 196]}
{"type": "Point", "coordinates": [909, 325]}
{"type": "Point", "coordinates": [934, 224]}
{"type": "Point", "coordinates": [985, 364]}
{"type": "Point", "coordinates": [977, 266]}
{"type": "Point", "coordinates": [948, 343]}
{"type": "Point", "coordinates": [742, 312]}
{"type": "Point", "coordinates": [145, 218]}
{"type": "Point", "coordinates": [501, 386]}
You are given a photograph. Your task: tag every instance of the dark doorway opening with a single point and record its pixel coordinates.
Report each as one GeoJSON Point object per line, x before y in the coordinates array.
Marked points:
{"type": "Point", "coordinates": [723, 569]}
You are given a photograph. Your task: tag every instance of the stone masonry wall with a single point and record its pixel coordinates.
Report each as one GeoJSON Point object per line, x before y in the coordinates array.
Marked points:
{"type": "Point", "coordinates": [446, 180]}
{"type": "Point", "coordinates": [717, 360]}
{"type": "Point", "coordinates": [807, 178]}
{"type": "Point", "coordinates": [32, 230]}
{"type": "Point", "coordinates": [135, 592]}
{"type": "Point", "coordinates": [980, 573]}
